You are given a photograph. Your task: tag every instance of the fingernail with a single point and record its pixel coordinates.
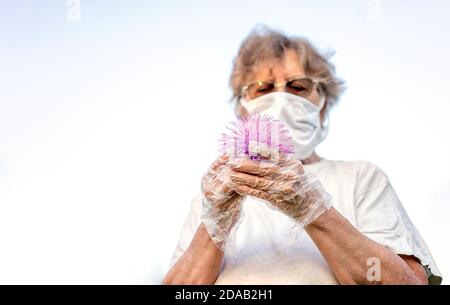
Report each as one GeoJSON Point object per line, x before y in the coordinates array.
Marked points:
{"type": "Point", "coordinates": [235, 162]}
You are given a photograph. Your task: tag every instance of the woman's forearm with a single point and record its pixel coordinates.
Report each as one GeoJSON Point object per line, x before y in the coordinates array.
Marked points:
{"type": "Point", "coordinates": [350, 254]}
{"type": "Point", "coordinates": [200, 263]}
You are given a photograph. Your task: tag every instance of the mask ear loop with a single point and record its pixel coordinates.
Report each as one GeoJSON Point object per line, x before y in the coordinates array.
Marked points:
{"type": "Point", "coordinates": [240, 109]}
{"type": "Point", "coordinates": [242, 99]}
{"type": "Point", "coordinates": [322, 95]}
{"type": "Point", "coordinates": [326, 118]}
{"type": "Point", "coordinates": [325, 125]}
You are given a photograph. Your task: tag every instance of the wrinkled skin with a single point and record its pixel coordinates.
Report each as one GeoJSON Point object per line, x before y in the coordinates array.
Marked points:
{"type": "Point", "coordinates": [282, 183]}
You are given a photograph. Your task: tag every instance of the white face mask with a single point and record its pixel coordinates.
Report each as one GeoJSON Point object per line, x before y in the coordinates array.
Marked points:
{"type": "Point", "coordinates": [299, 115]}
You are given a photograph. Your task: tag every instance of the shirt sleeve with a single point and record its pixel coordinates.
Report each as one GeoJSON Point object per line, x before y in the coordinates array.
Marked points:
{"type": "Point", "coordinates": [188, 229]}
{"type": "Point", "coordinates": [381, 217]}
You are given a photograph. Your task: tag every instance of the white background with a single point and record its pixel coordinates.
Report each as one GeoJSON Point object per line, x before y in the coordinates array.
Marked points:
{"type": "Point", "coordinates": [108, 122]}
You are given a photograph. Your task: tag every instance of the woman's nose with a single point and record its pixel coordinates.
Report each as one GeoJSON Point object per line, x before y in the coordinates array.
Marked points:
{"type": "Point", "coordinates": [280, 87]}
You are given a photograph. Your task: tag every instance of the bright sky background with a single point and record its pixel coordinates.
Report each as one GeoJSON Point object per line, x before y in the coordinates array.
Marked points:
{"type": "Point", "coordinates": [108, 122]}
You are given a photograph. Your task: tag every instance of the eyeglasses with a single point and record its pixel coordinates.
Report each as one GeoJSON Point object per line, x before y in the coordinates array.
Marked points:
{"type": "Point", "coordinates": [299, 86]}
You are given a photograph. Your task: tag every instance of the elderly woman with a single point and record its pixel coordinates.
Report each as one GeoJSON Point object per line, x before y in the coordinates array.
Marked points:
{"type": "Point", "coordinates": [357, 230]}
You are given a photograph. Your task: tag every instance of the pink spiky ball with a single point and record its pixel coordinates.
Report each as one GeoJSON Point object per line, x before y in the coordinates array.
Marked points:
{"type": "Point", "coordinates": [257, 137]}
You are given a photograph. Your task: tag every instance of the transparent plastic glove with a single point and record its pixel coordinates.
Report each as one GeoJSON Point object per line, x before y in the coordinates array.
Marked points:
{"type": "Point", "coordinates": [222, 207]}
{"type": "Point", "coordinates": [283, 183]}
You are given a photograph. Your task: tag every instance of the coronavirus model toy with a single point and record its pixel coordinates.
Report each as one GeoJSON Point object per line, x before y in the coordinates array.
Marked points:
{"type": "Point", "coordinates": [256, 136]}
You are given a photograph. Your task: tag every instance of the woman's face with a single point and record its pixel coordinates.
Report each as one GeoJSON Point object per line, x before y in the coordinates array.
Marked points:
{"type": "Point", "coordinates": [281, 70]}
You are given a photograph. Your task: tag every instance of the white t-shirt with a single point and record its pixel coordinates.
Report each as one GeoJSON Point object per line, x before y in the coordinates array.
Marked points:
{"type": "Point", "coordinates": [271, 249]}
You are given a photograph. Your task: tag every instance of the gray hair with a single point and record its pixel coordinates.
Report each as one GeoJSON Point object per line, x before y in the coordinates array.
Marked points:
{"type": "Point", "coordinates": [264, 43]}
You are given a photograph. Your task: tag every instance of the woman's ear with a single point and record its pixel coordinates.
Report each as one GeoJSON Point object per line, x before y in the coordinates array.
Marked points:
{"type": "Point", "coordinates": [323, 112]}
{"type": "Point", "coordinates": [239, 110]}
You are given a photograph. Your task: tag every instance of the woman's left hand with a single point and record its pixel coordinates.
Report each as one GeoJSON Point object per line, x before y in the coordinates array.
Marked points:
{"type": "Point", "coordinates": [282, 182]}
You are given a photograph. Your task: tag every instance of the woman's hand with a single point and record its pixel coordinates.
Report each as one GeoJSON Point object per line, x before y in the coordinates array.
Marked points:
{"type": "Point", "coordinates": [282, 182]}
{"type": "Point", "coordinates": [221, 205]}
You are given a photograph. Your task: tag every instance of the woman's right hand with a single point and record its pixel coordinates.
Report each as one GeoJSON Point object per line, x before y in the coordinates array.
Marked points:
{"type": "Point", "coordinates": [222, 207]}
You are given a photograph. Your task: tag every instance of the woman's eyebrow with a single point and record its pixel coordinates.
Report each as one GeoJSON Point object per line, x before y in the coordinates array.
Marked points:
{"type": "Point", "coordinates": [271, 79]}
{"type": "Point", "coordinates": [295, 76]}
